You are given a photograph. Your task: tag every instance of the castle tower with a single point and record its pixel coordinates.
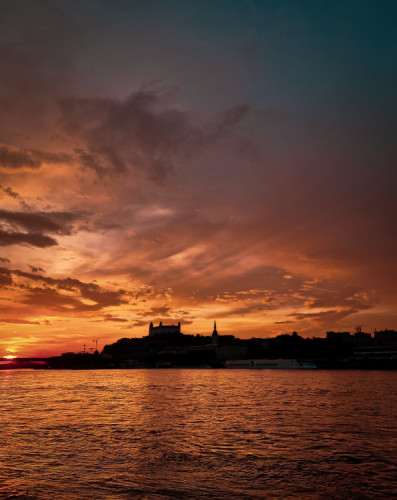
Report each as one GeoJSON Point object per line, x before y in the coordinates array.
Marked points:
{"type": "Point", "coordinates": [215, 336]}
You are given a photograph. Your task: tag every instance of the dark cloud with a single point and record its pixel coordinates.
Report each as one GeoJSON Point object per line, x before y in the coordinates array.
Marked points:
{"type": "Point", "coordinates": [18, 321]}
{"type": "Point", "coordinates": [13, 194]}
{"type": "Point", "coordinates": [143, 132]}
{"type": "Point", "coordinates": [50, 295]}
{"type": "Point", "coordinates": [37, 269]}
{"type": "Point", "coordinates": [5, 275]}
{"type": "Point", "coordinates": [248, 309]}
{"type": "Point", "coordinates": [10, 192]}
{"type": "Point", "coordinates": [37, 224]}
{"type": "Point", "coordinates": [143, 293]}
{"type": "Point", "coordinates": [63, 284]}
{"type": "Point", "coordinates": [163, 311]}
{"type": "Point", "coordinates": [102, 298]}
{"type": "Point", "coordinates": [141, 322]}
{"type": "Point", "coordinates": [17, 158]}
{"type": "Point", "coordinates": [31, 239]}
{"type": "Point", "coordinates": [12, 157]}
{"type": "Point", "coordinates": [51, 299]}
{"type": "Point", "coordinates": [331, 293]}
{"type": "Point", "coordinates": [357, 303]}
{"type": "Point", "coordinates": [51, 222]}
{"type": "Point", "coordinates": [324, 317]}
{"type": "Point", "coordinates": [90, 161]}
{"type": "Point", "coordinates": [110, 317]}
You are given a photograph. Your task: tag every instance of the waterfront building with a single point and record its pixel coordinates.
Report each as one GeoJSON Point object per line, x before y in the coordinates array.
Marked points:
{"type": "Point", "coordinates": [386, 337]}
{"type": "Point", "coordinates": [338, 335]}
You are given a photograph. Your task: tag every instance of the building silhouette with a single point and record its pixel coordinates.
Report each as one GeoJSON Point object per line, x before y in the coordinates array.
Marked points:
{"type": "Point", "coordinates": [215, 336]}
{"type": "Point", "coordinates": [164, 329]}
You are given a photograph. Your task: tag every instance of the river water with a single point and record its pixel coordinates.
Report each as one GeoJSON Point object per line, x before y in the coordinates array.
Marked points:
{"type": "Point", "coordinates": [191, 434]}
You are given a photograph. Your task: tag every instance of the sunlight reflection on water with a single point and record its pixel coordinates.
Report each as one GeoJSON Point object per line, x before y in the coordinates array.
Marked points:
{"type": "Point", "coordinates": [120, 434]}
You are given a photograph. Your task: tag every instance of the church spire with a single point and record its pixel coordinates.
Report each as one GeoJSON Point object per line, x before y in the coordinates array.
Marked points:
{"type": "Point", "coordinates": [215, 336]}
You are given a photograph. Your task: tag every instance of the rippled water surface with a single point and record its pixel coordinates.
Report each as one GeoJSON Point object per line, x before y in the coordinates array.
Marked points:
{"type": "Point", "coordinates": [120, 434]}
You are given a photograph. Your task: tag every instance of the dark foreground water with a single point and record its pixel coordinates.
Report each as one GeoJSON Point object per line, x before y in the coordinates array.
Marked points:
{"type": "Point", "coordinates": [194, 434]}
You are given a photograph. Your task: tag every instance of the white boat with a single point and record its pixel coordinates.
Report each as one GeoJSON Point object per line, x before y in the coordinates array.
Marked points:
{"type": "Point", "coordinates": [284, 364]}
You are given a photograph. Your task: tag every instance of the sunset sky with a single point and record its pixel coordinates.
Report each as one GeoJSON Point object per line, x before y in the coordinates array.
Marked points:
{"type": "Point", "coordinates": [195, 160]}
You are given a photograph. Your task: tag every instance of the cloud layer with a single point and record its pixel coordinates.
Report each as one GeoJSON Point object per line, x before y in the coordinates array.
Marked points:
{"type": "Point", "coordinates": [142, 133]}
{"type": "Point", "coordinates": [239, 166]}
